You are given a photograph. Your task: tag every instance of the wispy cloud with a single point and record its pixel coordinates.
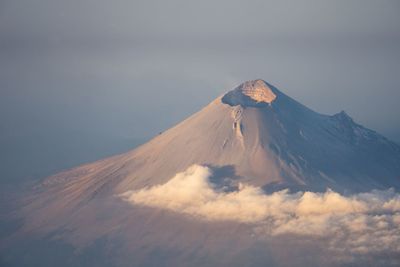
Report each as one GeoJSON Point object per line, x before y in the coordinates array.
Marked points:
{"type": "Point", "coordinates": [359, 223]}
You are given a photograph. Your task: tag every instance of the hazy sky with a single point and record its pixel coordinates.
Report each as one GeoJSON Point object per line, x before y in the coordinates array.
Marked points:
{"type": "Point", "coordinates": [80, 72]}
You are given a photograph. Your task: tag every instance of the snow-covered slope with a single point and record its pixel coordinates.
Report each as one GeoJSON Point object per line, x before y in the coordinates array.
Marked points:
{"type": "Point", "coordinates": [264, 137]}
{"type": "Point", "coordinates": [254, 135]}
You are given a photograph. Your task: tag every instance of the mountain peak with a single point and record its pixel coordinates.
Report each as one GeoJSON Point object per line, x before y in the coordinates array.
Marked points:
{"type": "Point", "coordinates": [258, 90]}
{"type": "Point", "coordinates": [250, 93]}
{"type": "Point", "coordinates": [343, 116]}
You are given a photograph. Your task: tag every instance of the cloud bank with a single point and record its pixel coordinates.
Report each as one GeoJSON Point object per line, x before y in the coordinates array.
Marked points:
{"type": "Point", "coordinates": [360, 223]}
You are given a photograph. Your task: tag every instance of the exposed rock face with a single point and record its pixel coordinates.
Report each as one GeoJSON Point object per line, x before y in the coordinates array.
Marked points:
{"type": "Point", "coordinates": [258, 90]}
{"type": "Point", "coordinates": [255, 93]}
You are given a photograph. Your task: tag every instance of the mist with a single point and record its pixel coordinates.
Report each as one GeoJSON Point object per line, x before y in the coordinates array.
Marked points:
{"type": "Point", "coordinates": [95, 79]}
{"type": "Point", "coordinates": [353, 225]}
{"type": "Point", "coordinates": [81, 80]}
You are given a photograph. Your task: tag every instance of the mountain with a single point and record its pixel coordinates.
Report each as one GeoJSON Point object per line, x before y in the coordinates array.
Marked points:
{"type": "Point", "coordinates": [253, 135]}
{"type": "Point", "coordinates": [266, 138]}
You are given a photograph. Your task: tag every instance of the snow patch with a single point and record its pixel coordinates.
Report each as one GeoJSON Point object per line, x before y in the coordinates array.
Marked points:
{"type": "Point", "coordinates": [237, 123]}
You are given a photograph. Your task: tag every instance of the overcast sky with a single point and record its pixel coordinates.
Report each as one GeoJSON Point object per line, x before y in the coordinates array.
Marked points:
{"type": "Point", "coordinates": [120, 70]}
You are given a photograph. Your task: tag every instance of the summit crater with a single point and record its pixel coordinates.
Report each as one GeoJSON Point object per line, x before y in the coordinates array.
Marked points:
{"type": "Point", "coordinates": [250, 93]}
{"type": "Point", "coordinates": [258, 90]}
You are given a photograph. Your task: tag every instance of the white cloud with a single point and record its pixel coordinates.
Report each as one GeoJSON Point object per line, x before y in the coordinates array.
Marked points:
{"type": "Point", "coordinates": [360, 223]}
